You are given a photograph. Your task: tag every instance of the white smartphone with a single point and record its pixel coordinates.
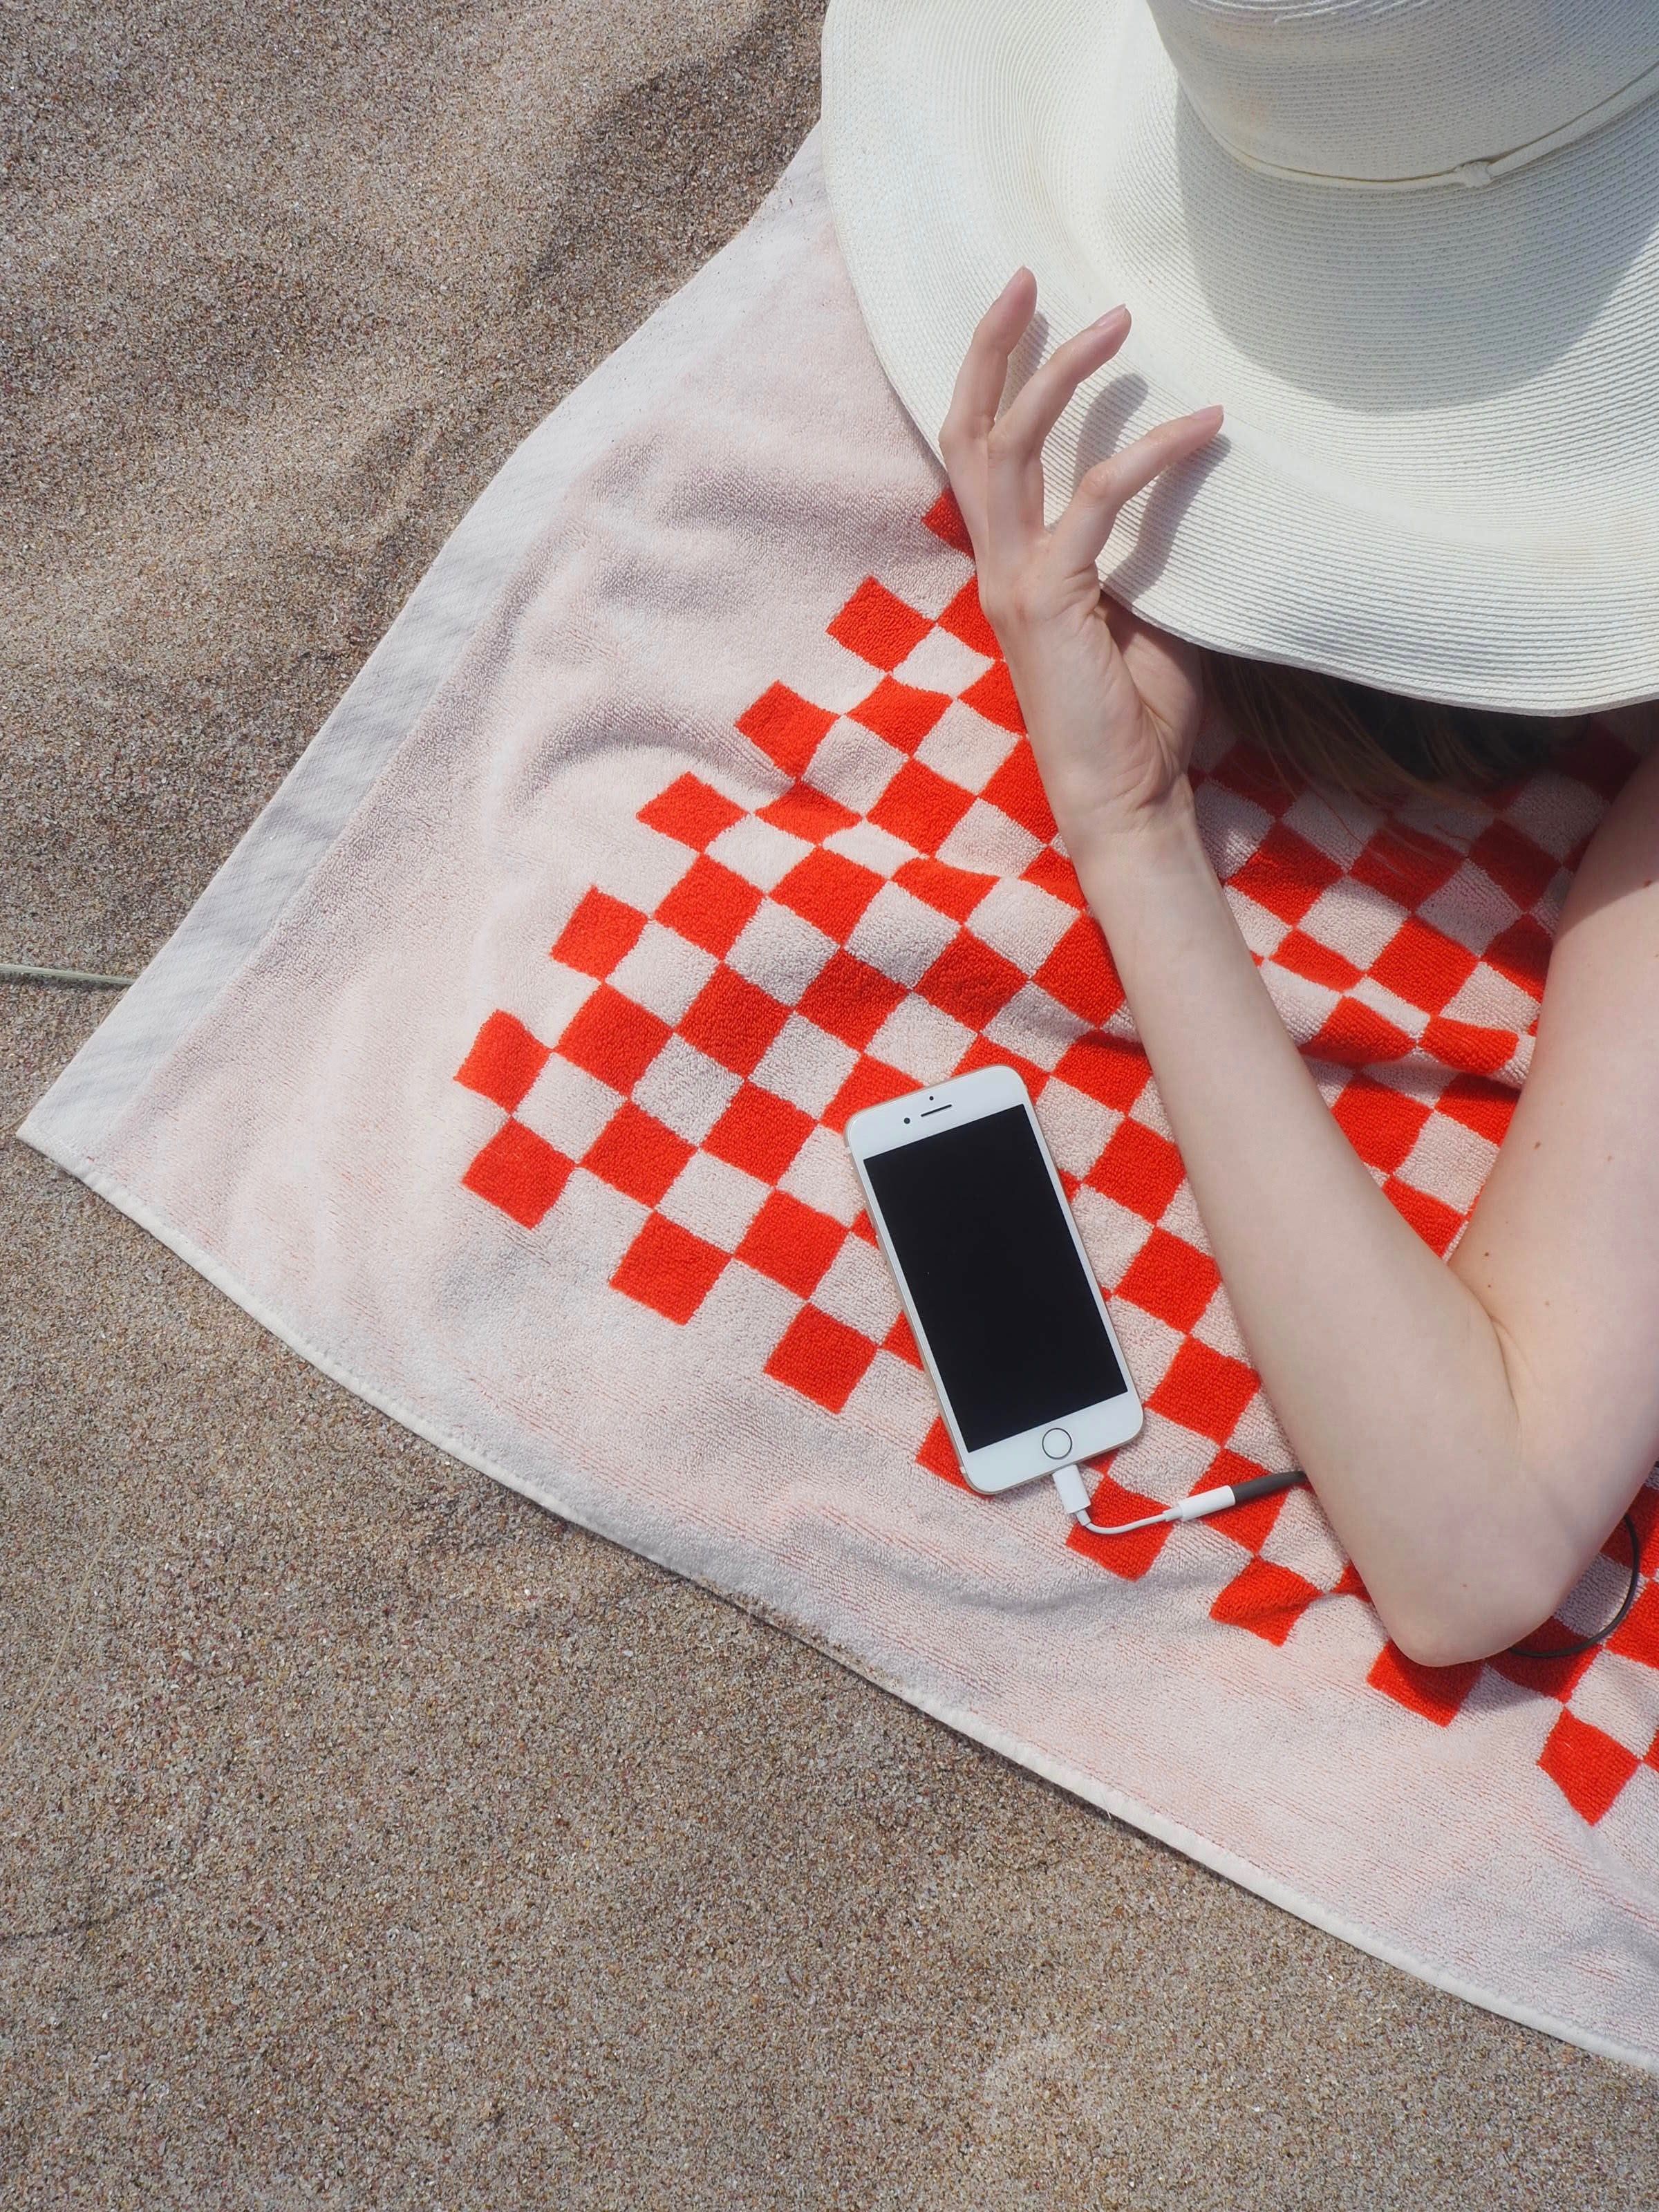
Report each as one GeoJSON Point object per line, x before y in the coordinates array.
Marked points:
{"type": "Point", "coordinates": [1007, 1315]}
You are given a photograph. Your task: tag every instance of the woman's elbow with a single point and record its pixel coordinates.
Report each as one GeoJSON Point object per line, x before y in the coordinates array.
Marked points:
{"type": "Point", "coordinates": [1442, 1628]}
{"type": "Point", "coordinates": [1443, 1642]}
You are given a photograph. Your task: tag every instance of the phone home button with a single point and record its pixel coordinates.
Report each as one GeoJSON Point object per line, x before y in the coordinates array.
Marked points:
{"type": "Point", "coordinates": [1057, 1444]}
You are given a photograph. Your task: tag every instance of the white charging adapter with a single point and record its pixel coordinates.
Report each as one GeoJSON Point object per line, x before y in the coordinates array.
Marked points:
{"type": "Point", "coordinates": [1074, 1497]}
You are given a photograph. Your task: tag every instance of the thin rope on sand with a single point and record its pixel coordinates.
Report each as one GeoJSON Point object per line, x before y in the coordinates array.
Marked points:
{"type": "Point", "coordinates": [16, 971]}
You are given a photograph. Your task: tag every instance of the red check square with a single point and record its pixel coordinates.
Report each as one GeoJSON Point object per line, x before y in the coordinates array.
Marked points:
{"type": "Point", "coordinates": [1266, 1598]}
{"type": "Point", "coordinates": [733, 1021]}
{"type": "Point", "coordinates": [1555, 1678]}
{"type": "Point", "coordinates": [1285, 873]}
{"type": "Point", "coordinates": [759, 1133]}
{"type": "Point", "coordinates": [504, 1061]}
{"type": "Point", "coordinates": [1110, 1502]}
{"type": "Point", "coordinates": [790, 1242]}
{"type": "Point", "coordinates": [900, 713]}
{"type": "Point", "coordinates": [1139, 1167]}
{"type": "Point", "coordinates": [1380, 1124]}
{"type": "Point", "coordinates": [1637, 1635]}
{"type": "Point", "coordinates": [993, 695]}
{"type": "Point", "coordinates": [900, 1340]}
{"type": "Point", "coordinates": [1404, 865]}
{"type": "Point", "coordinates": [612, 1038]}
{"type": "Point", "coordinates": [965, 619]}
{"type": "Point", "coordinates": [878, 626]}
{"type": "Point", "coordinates": [1052, 871]}
{"type": "Point", "coordinates": [1250, 772]}
{"type": "Point", "coordinates": [1305, 956]}
{"type": "Point", "coordinates": [828, 891]}
{"type": "Point", "coordinates": [820, 1357]}
{"type": "Point", "coordinates": [520, 1172]}
{"type": "Point", "coordinates": [1437, 1225]}
{"type": "Point", "coordinates": [1204, 1391]}
{"type": "Point", "coordinates": [1355, 1035]}
{"type": "Point", "coordinates": [1480, 1104]}
{"type": "Point", "coordinates": [709, 906]}
{"type": "Point", "coordinates": [1598, 758]}
{"type": "Point", "coordinates": [1423, 967]}
{"type": "Point", "coordinates": [1249, 1526]}
{"type": "Point", "coordinates": [1436, 1693]}
{"type": "Point", "coordinates": [1515, 864]}
{"type": "Point", "coordinates": [920, 807]}
{"type": "Point", "coordinates": [637, 1154]}
{"type": "Point", "coordinates": [1080, 973]}
{"type": "Point", "coordinates": [944, 518]}
{"type": "Point", "coordinates": [788, 728]}
{"type": "Point", "coordinates": [1589, 1767]}
{"type": "Point", "coordinates": [597, 934]}
{"type": "Point", "coordinates": [971, 981]}
{"type": "Point", "coordinates": [669, 1269]}
{"type": "Point", "coordinates": [1172, 1278]}
{"type": "Point", "coordinates": [1468, 1045]}
{"type": "Point", "coordinates": [1522, 952]}
{"type": "Point", "coordinates": [691, 811]}
{"type": "Point", "coordinates": [850, 998]}
{"type": "Point", "coordinates": [938, 1454]}
{"type": "Point", "coordinates": [1017, 789]}
{"type": "Point", "coordinates": [1105, 1069]}
{"type": "Point", "coordinates": [947, 889]}
{"type": "Point", "coordinates": [804, 812]}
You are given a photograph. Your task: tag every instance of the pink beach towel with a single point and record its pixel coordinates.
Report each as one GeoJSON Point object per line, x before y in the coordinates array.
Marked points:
{"type": "Point", "coordinates": [501, 1071]}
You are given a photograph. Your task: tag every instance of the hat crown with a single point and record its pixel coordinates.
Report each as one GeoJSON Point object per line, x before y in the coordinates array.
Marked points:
{"type": "Point", "coordinates": [1404, 92]}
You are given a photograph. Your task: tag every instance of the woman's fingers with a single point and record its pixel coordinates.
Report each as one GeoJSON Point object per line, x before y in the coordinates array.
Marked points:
{"type": "Point", "coordinates": [1081, 532]}
{"type": "Point", "coordinates": [978, 394]}
{"type": "Point", "coordinates": [1014, 466]}
{"type": "Point", "coordinates": [984, 370]}
{"type": "Point", "coordinates": [996, 465]}
{"type": "Point", "coordinates": [1046, 394]}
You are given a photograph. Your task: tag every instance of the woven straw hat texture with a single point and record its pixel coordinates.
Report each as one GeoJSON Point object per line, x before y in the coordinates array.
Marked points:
{"type": "Point", "coordinates": [1412, 249]}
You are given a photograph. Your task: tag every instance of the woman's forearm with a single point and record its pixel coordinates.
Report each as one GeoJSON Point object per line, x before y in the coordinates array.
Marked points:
{"type": "Point", "coordinates": [1410, 1390]}
{"type": "Point", "coordinates": [1385, 1370]}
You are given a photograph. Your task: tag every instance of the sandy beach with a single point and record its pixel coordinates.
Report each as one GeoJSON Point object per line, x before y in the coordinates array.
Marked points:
{"type": "Point", "coordinates": [368, 1837]}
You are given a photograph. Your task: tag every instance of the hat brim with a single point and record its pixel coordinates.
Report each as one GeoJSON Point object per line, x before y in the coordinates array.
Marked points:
{"type": "Point", "coordinates": [1439, 471]}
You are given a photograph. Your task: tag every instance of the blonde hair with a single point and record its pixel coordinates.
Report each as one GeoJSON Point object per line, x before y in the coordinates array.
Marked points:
{"type": "Point", "coordinates": [1378, 745]}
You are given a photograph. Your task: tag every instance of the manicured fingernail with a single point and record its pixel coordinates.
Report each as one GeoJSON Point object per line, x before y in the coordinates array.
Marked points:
{"type": "Point", "coordinates": [1118, 314]}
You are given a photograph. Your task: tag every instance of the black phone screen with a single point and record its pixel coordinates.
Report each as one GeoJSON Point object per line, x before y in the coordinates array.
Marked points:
{"type": "Point", "coordinates": [987, 1252]}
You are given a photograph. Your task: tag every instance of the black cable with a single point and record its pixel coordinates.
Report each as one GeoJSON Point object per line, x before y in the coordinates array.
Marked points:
{"type": "Point", "coordinates": [1264, 1484]}
{"type": "Point", "coordinates": [1588, 1643]}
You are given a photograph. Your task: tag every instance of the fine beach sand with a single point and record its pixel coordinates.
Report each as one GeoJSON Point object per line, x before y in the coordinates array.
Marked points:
{"type": "Point", "coordinates": [367, 1837]}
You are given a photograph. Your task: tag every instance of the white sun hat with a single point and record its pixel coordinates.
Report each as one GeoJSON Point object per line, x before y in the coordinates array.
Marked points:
{"type": "Point", "coordinates": [1411, 246]}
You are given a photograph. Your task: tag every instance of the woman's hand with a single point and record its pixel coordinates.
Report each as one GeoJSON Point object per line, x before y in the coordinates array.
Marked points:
{"type": "Point", "coordinates": [1112, 705]}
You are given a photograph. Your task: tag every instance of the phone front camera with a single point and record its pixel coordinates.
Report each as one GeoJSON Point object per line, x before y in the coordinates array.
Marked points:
{"type": "Point", "coordinates": [907, 1120]}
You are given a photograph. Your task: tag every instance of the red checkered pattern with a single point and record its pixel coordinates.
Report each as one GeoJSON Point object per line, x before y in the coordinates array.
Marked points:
{"type": "Point", "coordinates": [899, 912]}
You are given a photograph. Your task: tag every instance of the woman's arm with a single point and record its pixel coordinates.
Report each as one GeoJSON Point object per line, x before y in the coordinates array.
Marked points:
{"type": "Point", "coordinates": [1474, 1431]}
{"type": "Point", "coordinates": [1563, 1248]}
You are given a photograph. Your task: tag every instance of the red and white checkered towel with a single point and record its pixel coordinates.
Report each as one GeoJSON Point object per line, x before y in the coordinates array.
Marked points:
{"type": "Point", "coordinates": [503, 1071]}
